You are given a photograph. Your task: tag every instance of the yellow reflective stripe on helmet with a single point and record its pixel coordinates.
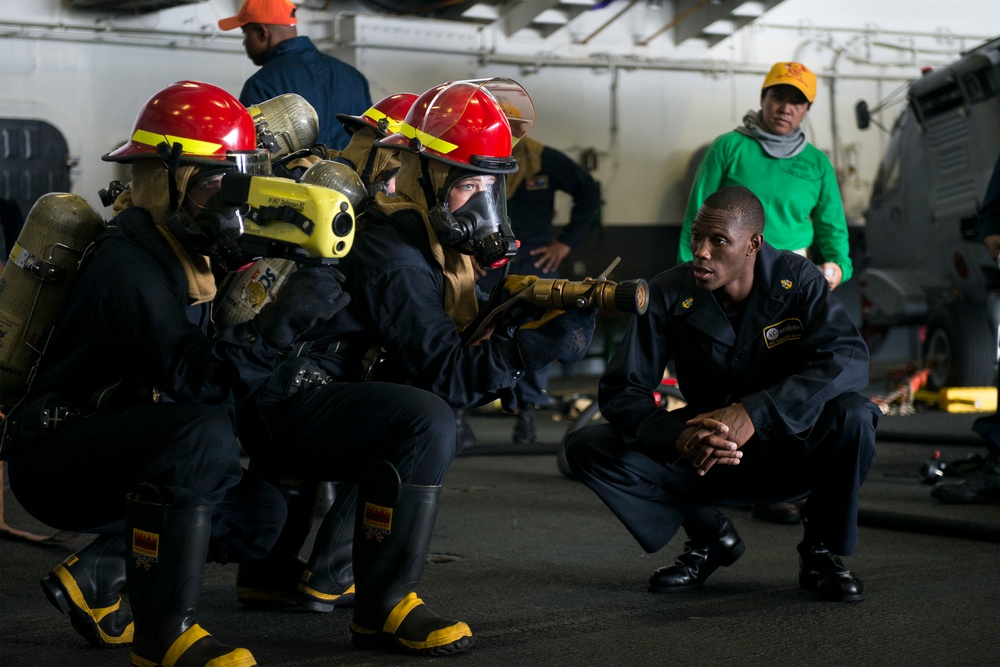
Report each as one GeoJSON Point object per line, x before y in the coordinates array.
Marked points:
{"type": "Point", "coordinates": [191, 146]}
{"type": "Point", "coordinates": [392, 125]}
{"type": "Point", "coordinates": [429, 141]}
{"type": "Point", "coordinates": [376, 115]}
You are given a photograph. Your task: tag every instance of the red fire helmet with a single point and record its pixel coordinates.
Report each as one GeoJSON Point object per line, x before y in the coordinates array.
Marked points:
{"type": "Point", "coordinates": [385, 116]}
{"type": "Point", "coordinates": [462, 123]}
{"type": "Point", "coordinates": [209, 124]}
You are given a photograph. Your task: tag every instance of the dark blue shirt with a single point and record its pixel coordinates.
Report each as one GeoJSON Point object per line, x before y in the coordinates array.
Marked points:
{"type": "Point", "coordinates": [532, 206]}
{"type": "Point", "coordinates": [331, 86]}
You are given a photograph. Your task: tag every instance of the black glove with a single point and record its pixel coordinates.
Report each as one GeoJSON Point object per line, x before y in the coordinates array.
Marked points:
{"type": "Point", "coordinates": [521, 312]}
{"type": "Point", "coordinates": [562, 334]}
{"type": "Point", "coordinates": [518, 314]}
{"type": "Point", "coordinates": [309, 296]}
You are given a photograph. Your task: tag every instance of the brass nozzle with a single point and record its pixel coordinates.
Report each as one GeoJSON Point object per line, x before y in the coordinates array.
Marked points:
{"type": "Point", "coordinates": [630, 296]}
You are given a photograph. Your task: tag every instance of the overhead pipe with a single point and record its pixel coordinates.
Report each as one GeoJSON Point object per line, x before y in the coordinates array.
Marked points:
{"type": "Point", "coordinates": [145, 37]}
{"type": "Point", "coordinates": [604, 25]}
{"type": "Point", "coordinates": [674, 21]}
{"type": "Point", "coordinates": [874, 30]}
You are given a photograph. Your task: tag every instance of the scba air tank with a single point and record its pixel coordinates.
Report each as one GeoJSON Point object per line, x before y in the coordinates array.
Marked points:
{"type": "Point", "coordinates": [246, 292]}
{"type": "Point", "coordinates": [37, 280]}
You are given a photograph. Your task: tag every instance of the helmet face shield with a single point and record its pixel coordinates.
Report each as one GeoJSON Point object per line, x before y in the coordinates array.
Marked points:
{"type": "Point", "coordinates": [514, 101]}
{"type": "Point", "coordinates": [256, 162]}
{"type": "Point", "coordinates": [472, 218]}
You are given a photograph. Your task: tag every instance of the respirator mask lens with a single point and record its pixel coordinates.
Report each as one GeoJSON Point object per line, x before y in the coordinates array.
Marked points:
{"type": "Point", "coordinates": [482, 216]}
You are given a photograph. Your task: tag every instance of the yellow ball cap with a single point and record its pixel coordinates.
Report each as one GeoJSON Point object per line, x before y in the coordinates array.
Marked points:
{"type": "Point", "coordinates": [792, 74]}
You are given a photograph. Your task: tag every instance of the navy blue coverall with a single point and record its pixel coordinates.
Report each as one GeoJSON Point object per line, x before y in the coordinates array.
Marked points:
{"type": "Point", "coordinates": [796, 363]}
{"type": "Point", "coordinates": [397, 293]}
{"type": "Point", "coordinates": [155, 393]}
{"type": "Point", "coordinates": [531, 208]}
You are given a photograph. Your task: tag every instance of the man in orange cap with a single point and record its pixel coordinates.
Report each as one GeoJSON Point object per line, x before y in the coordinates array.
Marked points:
{"type": "Point", "coordinates": [290, 63]}
{"type": "Point", "coordinates": [794, 180]}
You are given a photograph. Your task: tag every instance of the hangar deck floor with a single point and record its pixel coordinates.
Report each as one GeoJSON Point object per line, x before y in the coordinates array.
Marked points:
{"type": "Point", "coordinates": [545, 575]}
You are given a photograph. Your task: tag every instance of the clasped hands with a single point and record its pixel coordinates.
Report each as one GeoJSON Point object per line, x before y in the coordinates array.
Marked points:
{"type": "Point", "coordinates": [715, 437]}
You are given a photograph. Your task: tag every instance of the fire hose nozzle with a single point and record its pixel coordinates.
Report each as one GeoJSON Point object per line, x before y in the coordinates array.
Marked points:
{"type": "Point", "coordinates": [628, 296]}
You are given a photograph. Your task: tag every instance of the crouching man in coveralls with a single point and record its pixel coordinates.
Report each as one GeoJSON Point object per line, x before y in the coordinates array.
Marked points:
{"type": "Point", "coordinates": [771, 367]}
{"type": "Point", "coordinates": [128, 428]}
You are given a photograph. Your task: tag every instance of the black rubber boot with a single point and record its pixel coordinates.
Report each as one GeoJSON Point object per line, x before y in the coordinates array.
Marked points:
{"type": "Point", "coordinates": [87, 586]}
{"type": "Point", "coordinates": [524, 427]}
{"type": "Point", "coordinates": [273, 580]}
{"type": "Point", "coordinates": [392, 535]}
{"type": "Point", "coordinates": [328, 580]}
{"type": "Point", "coordinates": [466, 438]}
{"type": "Point", "coordinates": [166, 549]}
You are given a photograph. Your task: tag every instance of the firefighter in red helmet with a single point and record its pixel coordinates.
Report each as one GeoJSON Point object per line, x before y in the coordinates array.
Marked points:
{"type": "Point", "coordinates": [455, 149]}
{"type": "Point", "coordinates": [377, 167]}
{"type": "Point", "coordinates": [414, 278]}
{"type": "Point", "coordinates": [411, 279]}
{"type": "Point", "coordinates": [130, 413]}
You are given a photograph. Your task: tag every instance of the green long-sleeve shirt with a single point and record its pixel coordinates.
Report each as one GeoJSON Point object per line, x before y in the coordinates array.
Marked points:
{"type": "Point", "coordinates": [800, 196]}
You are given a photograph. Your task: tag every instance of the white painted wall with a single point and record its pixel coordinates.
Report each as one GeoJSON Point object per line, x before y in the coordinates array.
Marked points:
{"type": "Point", "coordinates": [645, 109]}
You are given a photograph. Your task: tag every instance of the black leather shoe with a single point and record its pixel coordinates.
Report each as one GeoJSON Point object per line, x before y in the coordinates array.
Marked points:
{"type": "Point", "coordinates": [700, 559]}
{"type": "Point", "coordinates": [978, 488]}
{"type": "Point", "coordinates": [823, 573]}
{"type": "Point", "coordinates": [784, 513]}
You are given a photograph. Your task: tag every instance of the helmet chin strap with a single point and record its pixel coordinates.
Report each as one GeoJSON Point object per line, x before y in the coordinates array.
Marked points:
{"type": "Point", "coordinates": [171, 156]}
{"type": "Point", "coordinates": [426, 182]}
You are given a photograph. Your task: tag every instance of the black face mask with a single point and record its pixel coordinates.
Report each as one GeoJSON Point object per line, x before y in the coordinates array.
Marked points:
{"type": "Point", "coordinates": [479, 228]}
{"type": "Point", "coordinates": [215, 231]}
